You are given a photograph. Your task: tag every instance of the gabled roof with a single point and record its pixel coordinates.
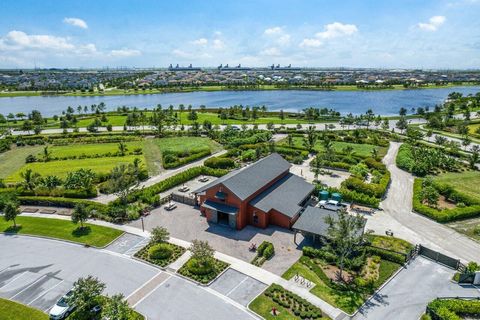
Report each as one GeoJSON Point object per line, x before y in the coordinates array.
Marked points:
{"type": "Point", "coordinates": [285, 195]}
{"type": "Point", "coordinates": [245, 182]}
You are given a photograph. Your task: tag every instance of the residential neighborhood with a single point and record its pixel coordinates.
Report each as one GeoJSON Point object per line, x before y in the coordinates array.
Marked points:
{"type": "Point", "coordinates": [262, 160]}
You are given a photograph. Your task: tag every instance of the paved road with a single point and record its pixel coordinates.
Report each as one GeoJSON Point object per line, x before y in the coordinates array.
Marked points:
{"type": "Point", "coordinates": [37, 272]}
{"type": "Point", "coordinates": [406, 295]}
{"type": "Point", "coordinates": [397, 215]}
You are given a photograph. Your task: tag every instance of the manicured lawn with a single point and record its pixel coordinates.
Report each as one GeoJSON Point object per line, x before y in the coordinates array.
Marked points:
{"type": "Point", "coordinates": [363, 150]}
{"type": "Point", "coordinates": [186, 144]}
{"type": "Point", "coordinates": [12, 160]}
{"type": "Point", "coordinates": [469, 227]}
{"type": "Point", "coordinates": [61, 168]}
{"type": "Point", "coordinates": [347, 300]}
{"type": "Point", "coordinates": [390, 243]}
{"type": "Point", "coordinates": [465, 182]}
{"type": "Point", "coordinates": [88, 149]}
{"type": "Point", "coordinates": [10, 310]}
{"type": "Point", "coordinates": [93, 235]}
{"type": "Point", "coordinates": [262, 305]}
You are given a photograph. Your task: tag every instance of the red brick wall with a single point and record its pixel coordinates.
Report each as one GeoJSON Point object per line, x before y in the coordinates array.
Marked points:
{"type": "Point", "coordinates": [279, 219]}
{"type": "Point", "coordinates": [231, 200]}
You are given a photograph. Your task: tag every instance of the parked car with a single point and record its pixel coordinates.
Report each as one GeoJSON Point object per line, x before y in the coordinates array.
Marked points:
{"type": "Point", "coordinates": [61, 309]}
{"type": "Point", "coordinates": [332, 205]}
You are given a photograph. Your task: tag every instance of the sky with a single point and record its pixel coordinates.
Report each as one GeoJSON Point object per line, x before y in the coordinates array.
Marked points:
{"type": "Point", "coordinates": [427, 34]}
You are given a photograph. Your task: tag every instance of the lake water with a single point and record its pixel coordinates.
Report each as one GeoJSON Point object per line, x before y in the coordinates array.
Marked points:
{"type": "Point", "coordinates": [386, 102]}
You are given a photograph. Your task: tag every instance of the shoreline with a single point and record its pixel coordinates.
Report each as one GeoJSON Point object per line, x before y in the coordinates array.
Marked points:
{"type": "Point", "coordinates": [121, 92]}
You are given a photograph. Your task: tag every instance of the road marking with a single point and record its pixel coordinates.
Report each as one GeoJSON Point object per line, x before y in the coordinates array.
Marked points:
{"type": "Point", "coordinates": [143, 285]}
{"type": "Point", "coordinates": [45, 292]}
{"type": "Point", "coordinates": [136, 247]}
{"type": "Point", "coordinates": [148, 294]}
{"type": "Point", "coordinates": [238, 285]}
{"type": "Point", "coordinates": [6, 284]}
{"type": "Point", "coordinates": [31, 284]}
{"type": "Point", "coordinates": [5, 269]}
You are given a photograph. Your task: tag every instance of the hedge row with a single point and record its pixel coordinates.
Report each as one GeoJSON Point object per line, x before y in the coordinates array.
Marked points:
{"type": "Point", "coordinates": [171, 160]}
{"type": "Point", "coordinates": [386, 254]}
{"type": "Point", "coordinates": [219, 163]}
{"type": "Point", "coordinates": [444, 215]}
{"type": "Point", "coordinates": [449, 309]}
{"type": "Point", "coordinates": [256, 138]}
{"type": "Point", "coordinates": [360, 198]}
{"type": "Point", "coordinates": [376, 190]}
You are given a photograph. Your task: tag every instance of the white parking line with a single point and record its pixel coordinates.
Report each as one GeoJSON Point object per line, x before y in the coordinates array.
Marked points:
{"type": "Point", "coordinates": [136, 247]}
{"type": "Point", "coordinates": [143, 285]}
{"type": "Point", "coordinates": [44, 293]}
{"type": "Point", "coordinates": [238, 285]}
{"type": "Point", "coordinates": [31, 284]}
{"type": "Point", "coordinates": [6, 284]}
{"type": "Point", "coordinates": [5, 269]}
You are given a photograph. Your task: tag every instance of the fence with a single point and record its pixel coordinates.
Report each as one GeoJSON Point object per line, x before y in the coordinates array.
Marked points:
{"type": "Point", "coordinates": [440, 258]}
{"type": "Point", "coordinates": [186, 199]}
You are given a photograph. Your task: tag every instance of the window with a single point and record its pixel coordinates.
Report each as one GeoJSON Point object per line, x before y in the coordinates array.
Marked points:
{"type": "Point", "coordinates": [255, 218]}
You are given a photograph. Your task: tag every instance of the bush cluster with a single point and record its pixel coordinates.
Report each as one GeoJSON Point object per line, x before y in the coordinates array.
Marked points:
{"type": "Point", "coordinates": [470, 210]}
{"type": "Point", "coordinates": [202, 275]}
{"type": "Point", "coordinates": [450, 309]}
{"type": "Point", "coordinates": [160, 254]}
{"type": "Point", "coordinates": [174, 159]}
{"type": "Point", "coordinates": [219, 163]}
{"type": "Point", "coordinates": [264, 252]}
{"type": "Point", "coordinates": [292, 302]}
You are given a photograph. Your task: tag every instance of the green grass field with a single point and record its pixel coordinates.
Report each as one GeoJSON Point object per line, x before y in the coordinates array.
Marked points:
{"type": "Point", "coordinates": [186, 144]}
{"type": "Point", "coordinates": [93, 235]}
{"type": "Point", "coordinates": [466, 182]}
{"type": "Point", "coordinates": [12, 160]}
{"type": "Point", "coordinates": [363, 150]}
{"type": "Point", "coordinates": [88, 149]}
{"type": "Point", "coordinates": [10, 310]}
{"type": "Point", "coordinates": [61, 168]}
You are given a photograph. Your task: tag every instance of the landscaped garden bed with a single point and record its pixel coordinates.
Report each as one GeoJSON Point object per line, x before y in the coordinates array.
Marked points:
{"type": "Point", "coordinates": [286, 304]}
{"type": "Point", "coordinates": [160, 254]}
{"type": "Point", "coordinates": [264, 252]}
{"type": "Point", "coordinates": [452, 309]}
{"type": "Point", "coordinates": [365, 272]}
{"type": "Point", "coordinates": [204, 275]}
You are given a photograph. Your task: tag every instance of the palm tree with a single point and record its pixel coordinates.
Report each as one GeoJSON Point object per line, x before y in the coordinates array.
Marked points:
{"type": "Point", "coordinates": [30, 179]}
{"type": "Point", "coordinates": [122, 148]}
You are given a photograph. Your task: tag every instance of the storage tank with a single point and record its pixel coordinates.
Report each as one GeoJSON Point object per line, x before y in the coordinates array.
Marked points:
{"type": "Point", "coordinates": [336, 196]}
{"type": "Point", "coordinates": [323, 195]}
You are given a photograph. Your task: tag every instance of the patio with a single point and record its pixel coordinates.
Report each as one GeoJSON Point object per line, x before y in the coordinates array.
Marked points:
{"type": "Point", "coordinates": [185, 222]}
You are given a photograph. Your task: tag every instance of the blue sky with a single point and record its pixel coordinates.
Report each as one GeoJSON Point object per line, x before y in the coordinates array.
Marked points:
{"type": "Point", "coordinates": [140, 33]}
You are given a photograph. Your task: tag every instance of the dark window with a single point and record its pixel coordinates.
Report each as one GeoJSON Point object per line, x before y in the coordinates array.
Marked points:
{"type": "Point", "coordinates": [255, 218]}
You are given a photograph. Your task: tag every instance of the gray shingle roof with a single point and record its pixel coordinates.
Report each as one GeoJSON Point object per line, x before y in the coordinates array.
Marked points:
{"type": "Point", "coordinates": [245, 182]}
{"type": "Point", "coordinates": [312, 220]}
{"type": "Point", "coordinates": [284, 196]}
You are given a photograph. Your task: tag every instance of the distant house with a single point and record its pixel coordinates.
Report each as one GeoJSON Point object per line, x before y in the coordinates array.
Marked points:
{"type": "Point", "coordinates": [261, 194]}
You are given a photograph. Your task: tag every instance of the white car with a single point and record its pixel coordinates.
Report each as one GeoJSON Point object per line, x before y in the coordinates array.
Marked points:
{"type": "Point", "coordinates": [331, 205]}
{"type": "Point", "coordinates": [61, 309]}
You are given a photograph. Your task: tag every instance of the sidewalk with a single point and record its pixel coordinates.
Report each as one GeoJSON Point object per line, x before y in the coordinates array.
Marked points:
{"type": "Point", "coordinates": [236, 264]}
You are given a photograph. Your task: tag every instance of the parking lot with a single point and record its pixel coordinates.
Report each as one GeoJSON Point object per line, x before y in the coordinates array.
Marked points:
{"type": "Point", "coordinates": [127, 244]}
{"type": "Point", "coordinates": [407, 295]}
{"type": "Point", "coordinates": [37, 272]}
{"type": "Point", "coordinates": [238, 287]}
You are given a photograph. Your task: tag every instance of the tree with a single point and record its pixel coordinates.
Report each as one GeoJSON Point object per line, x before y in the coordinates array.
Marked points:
{"type": "Point", "coordinates": [30, 179]}
{"type": "Point", "coordinates": [122, 148]}
{"type": "Point", "coordinates": [402, 112]}
{"type": "Point", "coordinates": [374, 153]}
{"type": "Point", "coordinates": [116, 308]}
{"type": "Point", "coordinates": [310, 139]}
{"type": "Point", "coordinates": [85, 293]}
{"type": "Point", "coordinates": [160, 234]}
{"type": "Point", "coordinates": [11, 211]}
{"type": "Point", "coordinates": [360, 170]}
{"type": "Point", "coordinates": [429, 195]}
{"type": "Point", "coordinates": [80, 214]}
{"type": "Point", "coordinates": [281, 115]}
{"type": "Point", "coordinates": [345, 234]}
{"type": "Point", "coordinates": [46, 154]}
{"type": "Point", "coordinates": [401, 124]}
{"type": "Point", "coordinates": [290, 140]}
{"type": "Point", "coordinates": [123, 180]}
{"type": "Point", "coordinates": [51, 182]}
{"type": "Point", "coordinates": [202, 251]}
{"type": "Point", "coordinates": [317, 166]}
{"type": "Point", "coordinates": [474, 157]}
{"type": "Point", "coordinates": [385, 125]}
{"type": "Point", "coordinates": [466, 141]}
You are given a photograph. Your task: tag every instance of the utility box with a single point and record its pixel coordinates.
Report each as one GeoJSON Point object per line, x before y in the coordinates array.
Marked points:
{"type": "Point", "coordinates": [337, 197]}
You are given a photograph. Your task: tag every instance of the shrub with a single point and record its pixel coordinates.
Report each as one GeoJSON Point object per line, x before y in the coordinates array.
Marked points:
{"type": "Point", "coordinates": [448, 309]}
{"type": "Point", "coordinates": [386, 254]}
{"type": "Point", "coordinates": [219, 163]}
{"type": "Point", "coordinates": [160, 251]}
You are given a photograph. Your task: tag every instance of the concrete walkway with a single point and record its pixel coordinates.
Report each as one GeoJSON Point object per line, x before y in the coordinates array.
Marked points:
{"type": "Point", "coordinates": [106, 198]}
{"type": "Point", "coordinates": [397, 215]}
{"type": "Point", "coordinates": [236, 264]}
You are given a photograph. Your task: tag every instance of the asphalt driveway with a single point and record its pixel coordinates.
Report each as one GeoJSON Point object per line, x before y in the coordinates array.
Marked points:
{"type": "Point", "coordinates": [407, 295]}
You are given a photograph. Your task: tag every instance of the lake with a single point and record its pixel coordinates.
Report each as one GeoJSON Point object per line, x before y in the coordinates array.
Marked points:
{"type": "Point", "coordinates": [386, 102]}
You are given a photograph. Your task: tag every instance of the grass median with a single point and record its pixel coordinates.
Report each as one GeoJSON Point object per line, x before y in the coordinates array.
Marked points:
{"type": "Point", "coordinates": [92, 235]}
{"type": "Point", "coordinates": [10, 310]}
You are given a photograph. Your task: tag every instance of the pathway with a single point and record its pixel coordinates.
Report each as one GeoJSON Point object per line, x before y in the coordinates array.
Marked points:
{"type": "Point", "coordinates": [397, 215]}
{"type": "Point", "coordinates": [106, 198]}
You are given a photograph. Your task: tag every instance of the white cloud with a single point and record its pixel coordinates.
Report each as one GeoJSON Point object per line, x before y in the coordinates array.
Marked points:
{"type": "Point", "coordinates": [270, 52]}
{"type": "Point", "coordinates": [433, 23]}
{"type": "Point", "coordinates": [125, 53]}
{"type": "Point", "coordinates": [77, 22]}
{"type": "Point", "coordinates": [273, 31]}
{"type": "Point", "coordinates": [310, 43]}
{"type": "Point", "coordinates": [19, 40]}
{"type": "Point", "coordinates": [218, 44]}
{"type": "Point", "coordinates": [337, 29]}
{"type": "Point", "coordinates": [200, 42]}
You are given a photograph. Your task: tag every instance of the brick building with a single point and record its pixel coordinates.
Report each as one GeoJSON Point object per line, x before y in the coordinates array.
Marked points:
{"type": "Point", "coordinates": [260, 194]}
